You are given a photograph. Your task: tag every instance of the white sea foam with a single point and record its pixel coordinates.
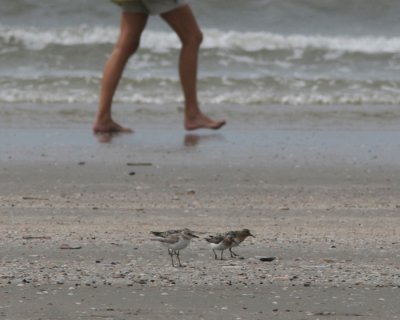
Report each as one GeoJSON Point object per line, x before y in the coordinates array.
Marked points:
{"type": "Point", "coordinates": [237, 68]}
{"type": "Point", "coordinates": [37, 39]}
{"type": "Point", "coordinates": [211, 97]}
{"type": "Point", "coordinates": [161, 41]}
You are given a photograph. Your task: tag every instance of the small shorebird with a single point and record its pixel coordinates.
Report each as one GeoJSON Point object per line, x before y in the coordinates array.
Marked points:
{"type": "Point", "coordinates": [220, 242]}
{"type": "Point", "coordinates": [175, 242]}
{"type": "Point", "coordinates": [238, 237]}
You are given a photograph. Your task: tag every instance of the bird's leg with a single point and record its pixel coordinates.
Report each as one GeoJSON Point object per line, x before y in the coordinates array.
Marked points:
{"type": "Point", "coordinates": [233, 254]}
{"type": "Point", "coordinates": [179, 260]}
{"type": "Point", "coordinates": [215, 255]}
{"type": "Point", "coordinates": [171, 252]}
{"type": "Point", "coordinates": [222, 252]}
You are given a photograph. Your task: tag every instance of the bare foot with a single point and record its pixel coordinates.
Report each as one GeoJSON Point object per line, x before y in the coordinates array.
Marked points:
{"type": "Point", "coordinates": [109, 127]}
{"type": "Point", "coordinates": [201, 121]}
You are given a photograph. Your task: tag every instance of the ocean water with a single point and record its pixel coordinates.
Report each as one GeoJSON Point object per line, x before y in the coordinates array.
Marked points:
{"type": "Point", "coordinates": [255, 53]}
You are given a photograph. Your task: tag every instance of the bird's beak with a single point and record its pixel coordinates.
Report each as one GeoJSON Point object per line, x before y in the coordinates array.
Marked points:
{"type": "Point", "coordinates": [251, 235]}
{"type": "Point", "coordinates": [194, 236]}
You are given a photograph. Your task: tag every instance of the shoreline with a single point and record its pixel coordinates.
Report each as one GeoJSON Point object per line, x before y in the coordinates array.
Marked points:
{"type": "Point", "coordinates": [275, 117]}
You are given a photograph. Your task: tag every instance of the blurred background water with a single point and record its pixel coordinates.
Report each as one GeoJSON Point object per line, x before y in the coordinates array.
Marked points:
{"type": "Point", "coordinates": [255, 53]}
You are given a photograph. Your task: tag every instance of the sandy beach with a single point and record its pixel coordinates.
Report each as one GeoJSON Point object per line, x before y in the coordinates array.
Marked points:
{"type": "Point", "coordinates": [76, 213]}
{"type": "Point", "coordinates": [308, 162]}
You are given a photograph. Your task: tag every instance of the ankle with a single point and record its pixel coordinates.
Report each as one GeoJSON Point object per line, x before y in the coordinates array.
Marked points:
{"type": "Point", "coordinates": [103, 118]}
{"type": "Point", "coordinates": [192, 114]}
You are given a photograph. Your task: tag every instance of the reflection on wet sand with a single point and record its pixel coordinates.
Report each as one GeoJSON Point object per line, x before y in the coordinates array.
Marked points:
{"type": "Point", "coordinates": [106, 137]}
{"type": "Point", "coordinates": [191, 140]}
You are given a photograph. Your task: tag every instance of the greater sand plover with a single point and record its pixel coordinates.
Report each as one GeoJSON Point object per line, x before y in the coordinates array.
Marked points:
{"type": "Point", "coordinates": [175, 242]}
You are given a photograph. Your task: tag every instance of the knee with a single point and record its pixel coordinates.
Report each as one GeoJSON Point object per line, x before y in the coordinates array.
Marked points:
{"type": "Point", "coordinates": [128, 45]}
{"type": "Point", "coordinates": [130, 48]}
{"type": "Point", "coordinates": [194, 39]}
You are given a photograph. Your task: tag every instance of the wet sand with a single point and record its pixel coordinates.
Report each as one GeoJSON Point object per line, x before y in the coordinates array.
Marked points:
{"type": "Point", "coordinates": [76, 215]}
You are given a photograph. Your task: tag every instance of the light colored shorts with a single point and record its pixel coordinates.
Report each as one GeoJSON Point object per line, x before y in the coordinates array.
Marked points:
{"type": "Point", "coordinates": [150, 6]}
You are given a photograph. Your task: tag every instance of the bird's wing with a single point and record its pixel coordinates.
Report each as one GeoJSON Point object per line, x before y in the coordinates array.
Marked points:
{"type": "Point", "coordinates": [171, 239]}
{"type": "Point", "coordinates": [164, 234]}
{"type": "Point", "coordinates": [158, 233]}
{"type": "Point", "coordinates": [215, 239]}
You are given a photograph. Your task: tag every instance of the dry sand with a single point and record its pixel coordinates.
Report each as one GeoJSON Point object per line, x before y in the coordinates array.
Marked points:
{"type": "Point", "coordinates": [75, 217]}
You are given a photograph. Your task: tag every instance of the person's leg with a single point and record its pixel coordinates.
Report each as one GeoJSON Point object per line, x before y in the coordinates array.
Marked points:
{"type": "Point", "coordinates": [183, 22]}
{"type": "Point", "coordinates": [132, 25]}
